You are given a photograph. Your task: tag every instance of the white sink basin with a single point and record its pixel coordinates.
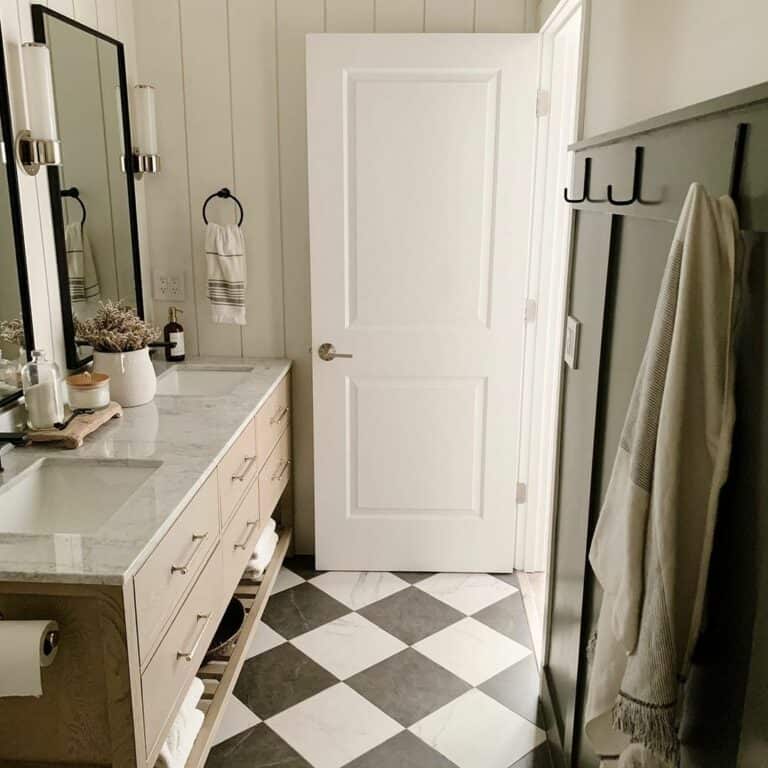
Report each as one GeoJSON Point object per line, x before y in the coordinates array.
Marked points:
{"type": "Point", "coordinates": [202, 380]}
{"type": "Point", "coordinates": [69, 495]}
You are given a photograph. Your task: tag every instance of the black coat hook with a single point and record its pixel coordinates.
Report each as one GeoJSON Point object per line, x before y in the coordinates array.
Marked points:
{"type": "Point", "coordinates": [637, 180]}
{"type": "Point", "coordinates": [223, 193]}
{"type": "Point", "coordinates": [737, 163]}
{"type": "Point", "coordinates": [585, 187]}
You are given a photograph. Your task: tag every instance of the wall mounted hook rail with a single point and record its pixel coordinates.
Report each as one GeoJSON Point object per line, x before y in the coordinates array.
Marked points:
{"type": "Point", "coordinates": [637, 180]}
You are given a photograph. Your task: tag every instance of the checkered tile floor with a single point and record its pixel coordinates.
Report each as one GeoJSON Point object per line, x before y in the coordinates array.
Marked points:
{"type": "Point", "coordinates": [386, 670]}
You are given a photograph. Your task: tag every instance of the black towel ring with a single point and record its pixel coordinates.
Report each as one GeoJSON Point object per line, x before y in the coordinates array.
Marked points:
{"type": "Point", "coordinates": [74, 193]}
{"type": "Point", "coordinates": [223, 193]}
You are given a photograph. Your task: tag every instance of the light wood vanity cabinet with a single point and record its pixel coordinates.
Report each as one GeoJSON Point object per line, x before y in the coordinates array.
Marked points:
{"type": "Point", "coordinates": [114, 690]}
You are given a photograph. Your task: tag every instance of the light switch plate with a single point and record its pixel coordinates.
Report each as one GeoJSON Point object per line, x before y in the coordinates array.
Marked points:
{"type": "Point", "coordinates": [168, 286]}
{"type": "Point", "coordinates": [572, 338]}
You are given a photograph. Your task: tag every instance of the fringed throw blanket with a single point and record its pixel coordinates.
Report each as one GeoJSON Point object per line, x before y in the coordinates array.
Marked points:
{"type": "Point", "coordinates": [653, 540]}
{"type": "Point", "coordinates": [225, 255]}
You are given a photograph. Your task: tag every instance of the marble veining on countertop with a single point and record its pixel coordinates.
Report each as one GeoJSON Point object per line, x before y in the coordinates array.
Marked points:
{"type": "Point", "coordinates": [185, 436]}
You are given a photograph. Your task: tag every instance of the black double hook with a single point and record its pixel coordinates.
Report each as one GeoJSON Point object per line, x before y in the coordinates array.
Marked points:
{"type": "Point", "coordinates": [637, 180]}
{"type": "Point", "coordinates": [585, 186]}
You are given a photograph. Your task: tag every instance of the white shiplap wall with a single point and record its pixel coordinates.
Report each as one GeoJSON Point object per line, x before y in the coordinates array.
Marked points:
{"type": "Point", "coordinates": [114, 18]}
{"type": "Point", "coordinates": [230, 78]}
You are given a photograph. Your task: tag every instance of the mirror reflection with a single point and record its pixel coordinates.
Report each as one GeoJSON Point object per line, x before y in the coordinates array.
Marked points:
{"type": "Point", "coordinates": [92, 192]}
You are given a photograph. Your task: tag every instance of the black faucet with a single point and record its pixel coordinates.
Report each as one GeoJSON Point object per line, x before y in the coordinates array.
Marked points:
{"type": "Point", "coordinates": [10, 440]}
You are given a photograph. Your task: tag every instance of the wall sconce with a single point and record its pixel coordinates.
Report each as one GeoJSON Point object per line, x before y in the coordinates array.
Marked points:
{"type": "Point", "coordinates": [145, 157]}
{"type": "Point", "coordinates": [39, 143]}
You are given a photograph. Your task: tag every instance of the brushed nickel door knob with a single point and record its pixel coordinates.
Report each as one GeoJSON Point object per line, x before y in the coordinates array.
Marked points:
{"type": "Point", "coordinates": [328, 352]}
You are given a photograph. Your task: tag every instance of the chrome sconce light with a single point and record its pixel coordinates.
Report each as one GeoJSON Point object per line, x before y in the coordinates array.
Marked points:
{"type": "Point", "coordinates": [38, 144]}
{"type": "Point", "coordinates": [145, 158]}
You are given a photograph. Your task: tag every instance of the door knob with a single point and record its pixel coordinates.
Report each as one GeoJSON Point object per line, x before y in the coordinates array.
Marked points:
{"type": "Point", "coordinates": [328, 352]}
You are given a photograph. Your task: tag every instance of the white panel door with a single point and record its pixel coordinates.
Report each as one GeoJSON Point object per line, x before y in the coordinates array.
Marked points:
{"type": "Point", "coordinates": [420, 155]}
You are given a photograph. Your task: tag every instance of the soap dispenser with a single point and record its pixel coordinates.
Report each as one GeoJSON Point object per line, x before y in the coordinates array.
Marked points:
{"type": "Point", "coordinates": [173, 333]}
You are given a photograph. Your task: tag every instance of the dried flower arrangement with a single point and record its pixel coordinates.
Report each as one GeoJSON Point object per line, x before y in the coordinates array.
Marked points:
{"type": "Point", "coordinates": [115, 328]}
{"type": "Point", "coordinates": [12, 331]}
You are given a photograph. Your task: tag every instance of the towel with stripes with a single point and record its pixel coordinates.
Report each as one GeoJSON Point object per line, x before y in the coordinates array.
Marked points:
{"type": "Point", "coordinates": [81, 269]}
{"type": "Point", "coordinates": [225, 255]}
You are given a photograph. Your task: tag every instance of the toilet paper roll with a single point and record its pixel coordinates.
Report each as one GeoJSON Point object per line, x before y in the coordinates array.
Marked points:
{"type": "Point", "coordinates": [22, 654]}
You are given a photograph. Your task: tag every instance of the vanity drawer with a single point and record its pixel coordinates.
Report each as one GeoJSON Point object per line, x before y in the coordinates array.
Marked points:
{"type": "Point", "coordinates": [240, 537]}
{"type": "Point", "coordinates": [274, 475]}
{"type": "Point", "coordinates": [178, 657]}
{"type": "Point", "coordinates": [174, 565]}
{"type": "Point", "coordinates": [272, 419]}
{"type": "Point", "coordinates": [236, 471]}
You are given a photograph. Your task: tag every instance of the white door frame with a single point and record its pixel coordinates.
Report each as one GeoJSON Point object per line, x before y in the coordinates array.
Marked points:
{"type": "Point", "coordinates": [545, 311]}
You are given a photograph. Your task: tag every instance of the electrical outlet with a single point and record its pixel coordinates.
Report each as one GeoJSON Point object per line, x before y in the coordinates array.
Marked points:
{"type": "Point", "coordinates": [169, 286]}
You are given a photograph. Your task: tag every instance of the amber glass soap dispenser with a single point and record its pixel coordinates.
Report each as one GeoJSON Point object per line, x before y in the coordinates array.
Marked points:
{"type": "Point", "coordinates": [173, 334]}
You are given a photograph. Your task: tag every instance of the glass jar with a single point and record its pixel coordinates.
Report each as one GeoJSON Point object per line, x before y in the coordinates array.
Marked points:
{"type": "Point", "coordinates": [41, 382]}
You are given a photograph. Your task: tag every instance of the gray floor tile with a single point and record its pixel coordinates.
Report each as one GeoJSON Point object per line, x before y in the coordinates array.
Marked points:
{"type": "Point", "coordinates": [303, 565]}
{"type": "Point", "coordinates": [412, 577]}
{"type": "Point", "coordinates": [517, 688]}
{"type": "Point", "coordinates": [402, 751]}
{"type": "Point", "coordinates": [301, 609]}
{"type": "Point", "coordinates": [280, 678]}
{"type": "Point", "coordinates": [508, 617]}
{"type": "Point", "coordinates": [408, 686]}
{"type": "Point", "coordinates": [539, 758]}
{"type": "Point", "coordinates": [258, 747]}
{"type": "Point", "coordinates": [411, 615]}
{"type": "Point", "coordinates": [509, 578]}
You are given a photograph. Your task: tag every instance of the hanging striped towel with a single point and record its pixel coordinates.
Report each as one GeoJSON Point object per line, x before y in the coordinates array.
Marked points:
{"type": "Point", "coordinates": [83, 278]}
{"type": "Point", "coordinates": [225, 254]}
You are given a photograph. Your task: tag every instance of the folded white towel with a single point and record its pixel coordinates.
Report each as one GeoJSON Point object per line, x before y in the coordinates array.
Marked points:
{"type": "Point", "coordinates": [81, 269]}
{"type": "Point", "coordinates": [184, 730]}
{"type": "Point", "coordinates": [225, 255]}
{"type": "Point", "coordinates": [259, 562]}
{"type": "Point", "coordinates": [265, 538]}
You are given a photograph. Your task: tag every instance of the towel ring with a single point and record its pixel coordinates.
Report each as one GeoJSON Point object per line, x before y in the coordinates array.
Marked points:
{"type": "Point", "coordinates": [223, 193]}
{"type": "Point", "coordinates": [74, 193]}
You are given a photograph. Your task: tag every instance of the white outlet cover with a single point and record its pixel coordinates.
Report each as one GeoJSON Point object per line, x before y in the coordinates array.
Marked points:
{"type": "Point", "coordinates": [168, 286]}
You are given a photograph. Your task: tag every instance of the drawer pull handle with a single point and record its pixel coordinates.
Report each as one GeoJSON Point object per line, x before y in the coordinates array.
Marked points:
{"type": "Point", "coordinates": [279, 474]}
{"type": "Point", "coordinates": [246, 469]}
{"type": "Point", "coordinates": [277, 418]}
{"type": "Point", "coordinates": [188, 655]}
{"type": "Point", "coordinates": [248, 526]}
{"type": "Point", "coordinates": [182, 569]}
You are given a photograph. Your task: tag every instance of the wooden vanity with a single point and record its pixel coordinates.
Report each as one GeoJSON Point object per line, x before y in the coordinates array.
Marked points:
{"type": "Point", "coordinates": [129, 651]}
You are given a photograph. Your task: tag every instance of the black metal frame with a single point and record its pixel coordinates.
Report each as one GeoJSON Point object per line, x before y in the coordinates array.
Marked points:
{"type": "Point", "coordinates": [18, 229]}
{"type": "Point", "coordinates": [39, 12]}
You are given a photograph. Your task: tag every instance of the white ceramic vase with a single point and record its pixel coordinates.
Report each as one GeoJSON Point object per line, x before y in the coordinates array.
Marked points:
{"type": "Point", "coordinates": [132, 379]}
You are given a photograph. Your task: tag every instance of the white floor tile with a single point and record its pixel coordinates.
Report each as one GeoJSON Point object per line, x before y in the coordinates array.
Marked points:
{"type": "Point", "coordinates": [348, 645]}
{"type": "Point", "coordinates": [333, 727]}
{"type": "Point", "coordinates": [235, 719]}
{"type": "Point", "coordinates": [285, 580]}
{"type": "Point", "coordinates": [472, 650]}
{"type": "Point", "coordinates": [467, 592]}
{"type": "Point", "coordinates": [356, 590]}
{"type": "Point", "coordinates": [265, 639]}
{"type": "Point", "coordinates": [474, 731]}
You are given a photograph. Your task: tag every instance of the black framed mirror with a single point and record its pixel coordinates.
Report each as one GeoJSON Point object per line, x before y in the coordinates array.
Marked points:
{"type": "Point", "coordinates": [93, 199]}
{"type": "Point", "coordinates": [16, 337]}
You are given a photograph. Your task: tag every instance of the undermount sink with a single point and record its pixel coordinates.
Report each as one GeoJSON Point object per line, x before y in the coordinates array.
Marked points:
{"type": "Point", "coordinates": [69, 495]}
{"type": "Point", "coordinates": [199, 380]}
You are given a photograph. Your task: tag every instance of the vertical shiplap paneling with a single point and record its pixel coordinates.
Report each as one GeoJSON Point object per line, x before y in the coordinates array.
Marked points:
{"type": "Point", "coordinates": [399, 16]}
{"type": "Point", "coordinates": [205, 57]}
{"type": "Point", "coordinates": [106, 13]}
{"type": "Point", "coordinates": [85, 12]}
{"type": "Point", "coordinates": [66, 7]}
{"type": "Point", "coordinates": [349, 15]}
{"type": "Point", "coordinates": [449, 15]}
{"type": "Point", "coordinates": [295, 18]}
{"type": "Point", "coordinates": [169, 221]}
{"type": "Point", "coordinates": [254, 133]}
{"type": "Point", "coordinates": [500, 16]}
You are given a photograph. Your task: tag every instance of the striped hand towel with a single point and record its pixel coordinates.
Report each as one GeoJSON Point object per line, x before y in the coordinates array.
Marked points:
{"type": "Point", "coordinates": [225, 254]}
{"type": "Point", "coordinates": [83, 278]}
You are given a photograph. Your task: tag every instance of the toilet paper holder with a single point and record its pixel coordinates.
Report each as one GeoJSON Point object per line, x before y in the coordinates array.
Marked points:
{"type": "Point", "coordinates": [51, 642]}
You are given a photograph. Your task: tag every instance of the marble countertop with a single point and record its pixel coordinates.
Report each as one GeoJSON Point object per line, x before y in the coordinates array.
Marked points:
{"type": "Point", "coordinates": [185, 436]}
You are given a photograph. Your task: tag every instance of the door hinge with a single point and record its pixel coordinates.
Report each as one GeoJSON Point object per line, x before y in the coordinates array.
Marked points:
{"type": "Point", "coordinates": [542, 103]}
{"type": "Point", "coordinates": [529, 314]}
{"type": "Point", "coordinates": [521, 493]}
